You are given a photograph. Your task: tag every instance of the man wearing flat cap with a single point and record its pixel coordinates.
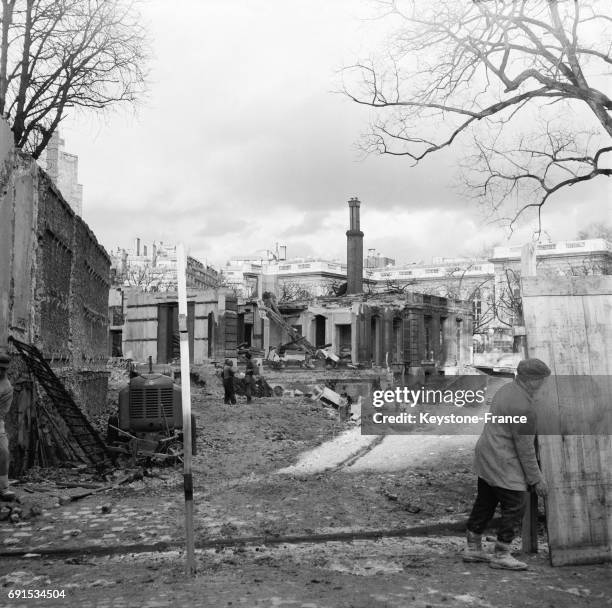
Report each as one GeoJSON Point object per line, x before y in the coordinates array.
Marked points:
{"type": "Point", "coordinates": [6, 398]}
{"type": "Point", "coordinates": [506, 466]}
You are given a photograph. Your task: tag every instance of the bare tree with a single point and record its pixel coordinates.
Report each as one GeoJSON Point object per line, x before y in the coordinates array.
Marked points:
{"type": "Point", "coordinates": [511, 77]}
{"type": "Point", "coordinates": [508, 305]}
{"type": "Point", "coordinates": [596, 230]}
{"type": "Point", "coordinates": [62, 54]}
{"type": "Point", "coordinates": [294, 291]}
{"type": "Point", "coordinates": [478, 291]}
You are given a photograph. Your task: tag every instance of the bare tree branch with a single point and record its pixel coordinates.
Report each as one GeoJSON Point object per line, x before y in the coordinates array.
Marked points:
{"type": "Point", "coordinates": [62, 54]}
{"type": "Point", "coordinates": [508, 77]}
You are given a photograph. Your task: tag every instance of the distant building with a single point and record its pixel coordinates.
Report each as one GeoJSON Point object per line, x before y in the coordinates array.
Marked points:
{"type": "Point", "coordinates": [493, 285]}
{"type": "Point", "coordinates": [152, 268]}
{"type": "Point", "coordinates": [564, 258]}
{"type": "Point", "coordinates": [243, 274]}
{"type": "Point", "coordinates": [375, 260]}
{"type": "Point", "coordinates": [298, 278]}
{"type": "Point", "coordinates": [63, 168]}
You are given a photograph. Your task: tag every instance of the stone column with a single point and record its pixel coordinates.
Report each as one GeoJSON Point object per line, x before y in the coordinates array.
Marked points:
{"type": "Point", "coordinates": [438, 355]}
{"type": "Point", "coordinates": [450, 340]}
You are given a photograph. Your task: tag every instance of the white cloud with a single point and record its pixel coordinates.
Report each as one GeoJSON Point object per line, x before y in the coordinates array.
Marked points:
{"type": "Point", "coordinates": [242, 144]}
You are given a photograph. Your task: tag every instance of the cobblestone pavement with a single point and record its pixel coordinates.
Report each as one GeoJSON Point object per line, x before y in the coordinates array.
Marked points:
{"type": "Point", "coordinates": [74, 526]}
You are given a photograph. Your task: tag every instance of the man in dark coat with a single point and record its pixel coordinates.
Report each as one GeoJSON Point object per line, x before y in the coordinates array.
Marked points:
{"type": "Point", "coordinates": [506, 466]}
{"type": "Point", "coordinates": [228, 383]}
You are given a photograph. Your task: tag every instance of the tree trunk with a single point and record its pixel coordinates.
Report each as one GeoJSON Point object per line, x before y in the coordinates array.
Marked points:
{"type": "Point", "coordinates": [7, 19]}
{"type": "Point", "coordinates": [24, 78]}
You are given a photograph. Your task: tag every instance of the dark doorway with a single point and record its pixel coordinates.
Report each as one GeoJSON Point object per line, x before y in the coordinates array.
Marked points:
{"type": "Point", "coordinates": [320, 330]}
{"type": "Point", "coordinates": [168, 336]}
{"type": "Point", "coordinates": [375, 338]}
{"type": "Point", "coordinates": [240, 328]}
{"type": "Point", "coordinates": [344, 347]}
{"type": "Point", "coordinates": [116, 339]}
{"type": "Point", "coordinates": [248, 334]}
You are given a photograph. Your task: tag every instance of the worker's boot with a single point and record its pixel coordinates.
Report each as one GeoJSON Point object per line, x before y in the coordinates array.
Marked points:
{"type": "Point", "coordinates": [474, 551]}
{"type": "Point", "coordinates": [503, 559]}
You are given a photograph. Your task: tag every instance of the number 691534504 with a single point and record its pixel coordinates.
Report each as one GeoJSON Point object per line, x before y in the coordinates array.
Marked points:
{"type": "Point", "coordinates": [36, 593]}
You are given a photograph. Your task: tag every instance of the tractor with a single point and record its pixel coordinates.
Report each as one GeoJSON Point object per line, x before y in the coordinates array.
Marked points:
{"type": "Point", "coordinates": [149, 420]}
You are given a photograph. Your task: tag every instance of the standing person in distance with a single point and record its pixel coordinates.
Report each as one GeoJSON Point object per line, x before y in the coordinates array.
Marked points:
{"type": "Point", "coordinates": [228, 383]}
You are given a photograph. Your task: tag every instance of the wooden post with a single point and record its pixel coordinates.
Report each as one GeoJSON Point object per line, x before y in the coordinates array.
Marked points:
{"type": "Point", "coordinates": [186, 404]}
{"type": "Point", "coordinates": [530, 519]}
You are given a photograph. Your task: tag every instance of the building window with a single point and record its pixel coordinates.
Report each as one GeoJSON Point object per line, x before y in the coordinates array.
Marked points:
{"type": "Point", "coordinates": [285, 267]}
{"type": "Point", "coordinates": [477, 309]}
{"type": "Point", "coordinates": [303, 265]}
{"type": "Point", "coordinates": [405, 273]}
{"type": "Point", "coordinates": [432, 270]}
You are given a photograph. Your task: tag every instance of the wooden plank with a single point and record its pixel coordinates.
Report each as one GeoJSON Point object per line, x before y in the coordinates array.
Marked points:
{"type": "Point", "coordinates": [529, 527]}
{"type": "Point", "coordinates": [568, 326]}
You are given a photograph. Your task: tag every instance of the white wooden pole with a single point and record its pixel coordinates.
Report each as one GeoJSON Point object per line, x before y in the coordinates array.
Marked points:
{"type": "Point", "coordinates": [186, 403]}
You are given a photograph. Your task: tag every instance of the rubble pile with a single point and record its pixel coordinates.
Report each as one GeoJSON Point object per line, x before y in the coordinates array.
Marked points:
{"type": "Point", "coordinates": [15, 511]}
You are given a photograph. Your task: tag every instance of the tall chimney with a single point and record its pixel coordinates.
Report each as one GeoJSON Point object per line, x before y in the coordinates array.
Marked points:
{"type": "Point", "coordinates": [137, 246]}
{"type": "Point", "coordinates": [354, 250]}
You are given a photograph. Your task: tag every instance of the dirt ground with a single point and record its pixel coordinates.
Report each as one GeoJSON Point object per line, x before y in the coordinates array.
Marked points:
{"type": "Point", "coordinates": [239, 493]}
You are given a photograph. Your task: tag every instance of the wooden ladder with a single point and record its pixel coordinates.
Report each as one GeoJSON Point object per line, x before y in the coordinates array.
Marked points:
{"type": "Point", "coordinates": [87, 438]}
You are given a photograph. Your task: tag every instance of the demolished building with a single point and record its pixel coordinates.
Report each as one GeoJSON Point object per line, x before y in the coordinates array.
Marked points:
{"type": "Point", "coordinates": [404, 331]}
{"type": "Point", "coordinates": [54, 284]}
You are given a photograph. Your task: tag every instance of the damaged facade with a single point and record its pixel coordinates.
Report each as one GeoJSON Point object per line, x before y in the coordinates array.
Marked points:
{"type": "Point", "coordinates": [54, 283]}
{"type": "Point", "coordinates": [407, 331]}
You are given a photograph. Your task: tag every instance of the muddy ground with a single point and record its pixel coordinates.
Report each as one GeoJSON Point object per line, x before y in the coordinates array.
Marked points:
{"type": "Point", "coordinates": [239, 493]}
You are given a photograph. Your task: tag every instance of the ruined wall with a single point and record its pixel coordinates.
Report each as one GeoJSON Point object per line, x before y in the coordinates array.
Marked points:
{"type": "Point", "coordinates": [54, 275]}
{"type": "Point", "coordinates": [88, 388]}
{"type": "Point", "coordinates": [53, 290]}
{"type": "Point", "coordinates": [212, 324]}
{"type": "Point", "coordinates": [54, 262]}
{"type": "Point", "coordinates": [89, 302]}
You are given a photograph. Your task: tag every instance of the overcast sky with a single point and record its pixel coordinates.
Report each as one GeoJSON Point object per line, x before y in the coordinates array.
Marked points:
{"type": "Point", "coordinates": [242, 143]}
